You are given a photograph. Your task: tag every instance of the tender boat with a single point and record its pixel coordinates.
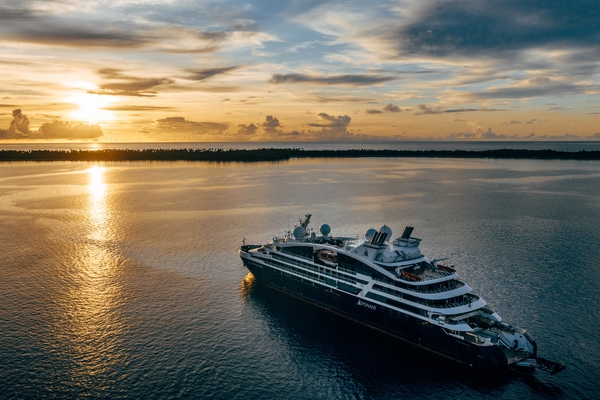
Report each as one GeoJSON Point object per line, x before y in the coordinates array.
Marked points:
{"type": "Point", "coordinates": [389, 285]}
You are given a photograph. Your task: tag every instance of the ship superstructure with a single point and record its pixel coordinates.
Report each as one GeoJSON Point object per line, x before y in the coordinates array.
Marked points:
{"type": "Point", "coordinates": [390, 285]}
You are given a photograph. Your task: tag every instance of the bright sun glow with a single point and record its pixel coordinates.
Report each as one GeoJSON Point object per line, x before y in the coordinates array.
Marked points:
{"type": "Point", "coordinates": [91, 108]}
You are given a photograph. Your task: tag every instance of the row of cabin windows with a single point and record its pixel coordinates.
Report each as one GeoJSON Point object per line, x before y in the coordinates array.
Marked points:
{"type": "Point", "coordinates": [302, 251]}
{"type": "Point", "coordinates": [394, 303]}
{"type": "Point", "coordinates": [345, 262]}
{"type": "Point", "coordinates": [320, 270]}
{"type": "Point", "coordinates": [437, 303]}
{"type": "Point", "coordinates": [429, 288]}
{"type": "Point", "coordinates": [352, 265]}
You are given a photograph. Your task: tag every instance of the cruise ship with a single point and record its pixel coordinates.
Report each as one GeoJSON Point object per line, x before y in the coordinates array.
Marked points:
{"type": "Point", "coordinates": [389, 285]}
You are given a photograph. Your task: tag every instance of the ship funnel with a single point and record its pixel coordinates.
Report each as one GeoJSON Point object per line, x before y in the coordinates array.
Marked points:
{"type": "Point", "coordinates": [378, 238]}
{"type": "Point", "coordinates": [407, 232]}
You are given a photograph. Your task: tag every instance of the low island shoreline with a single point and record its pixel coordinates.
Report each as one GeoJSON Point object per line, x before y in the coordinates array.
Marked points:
{"type": "Point", "coordinates": [280, 154]}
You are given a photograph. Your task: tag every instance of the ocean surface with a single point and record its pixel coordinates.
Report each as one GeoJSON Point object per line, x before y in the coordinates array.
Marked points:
{"type": "Point", "coordinates": [122, 280]}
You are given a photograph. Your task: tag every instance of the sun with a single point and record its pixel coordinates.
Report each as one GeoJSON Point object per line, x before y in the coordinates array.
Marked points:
{"type": "Point", "coordinates": [91, 108]}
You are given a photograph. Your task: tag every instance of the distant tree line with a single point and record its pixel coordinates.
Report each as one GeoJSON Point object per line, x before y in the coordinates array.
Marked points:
{"type": "Point", "coordinates": [271, 154]}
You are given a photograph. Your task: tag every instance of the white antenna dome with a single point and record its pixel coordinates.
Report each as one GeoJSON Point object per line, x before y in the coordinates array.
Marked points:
{"type": "Point", "coordinates": [369, 233]}
{"type": "Point", "coordinates": [387, 230]}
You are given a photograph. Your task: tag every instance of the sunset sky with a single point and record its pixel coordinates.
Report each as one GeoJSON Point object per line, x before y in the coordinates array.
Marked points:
{"type": "Point", "coordinates": [175, 70]}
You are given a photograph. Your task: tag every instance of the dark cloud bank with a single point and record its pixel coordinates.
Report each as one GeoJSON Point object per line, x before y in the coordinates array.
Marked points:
{"type": "Point", "coordinates": [347, 80]}
{"type": "Point", "coordinates": [500, 28]}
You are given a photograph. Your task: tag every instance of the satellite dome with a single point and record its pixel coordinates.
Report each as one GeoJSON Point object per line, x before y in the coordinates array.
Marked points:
{"type": "Point", "coordinates": [325, 229]}
{"type": "Point", "coordinates": [387, 230]}
{"type": "Point", "coordinates": [369, 233]}
{"type": "Point", "coordinates": [299, 232]}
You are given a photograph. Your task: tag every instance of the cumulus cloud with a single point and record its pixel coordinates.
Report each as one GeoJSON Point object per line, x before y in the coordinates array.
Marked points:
{"type": "Point", "coordinates": [64, 130]}
{"type": "Point", "coordinates": [178, 128]}
{"type": "Point", "coordinates": [423, 109]}
{"type": "Point", "coordinates": [271, 125]}
{"type": "Point", "coordinates": [347, 80]}
{"type": "Point", "coordinates": [477, 131]}
{"type": "Point", "coordinates": [565, 136]}
{"type": "Point", "coordinates": [528, 122]}
{"type": "Point", "coordinates": [20, 123]}
{"type": "Point", "coordinates": [183, 125]}
{"type": "Point", "coordinates": [19, 129]}
{"type": "Point", "coordinates": [392, 108]}
{"type": "Point", "coordinates": [330, 121]}
{"type": "Point", "coordinates": [270, 129]}
{"type": "Point", "coordinates": [332, 127]}
{"type": "Point", "coordinates": [246, 130]}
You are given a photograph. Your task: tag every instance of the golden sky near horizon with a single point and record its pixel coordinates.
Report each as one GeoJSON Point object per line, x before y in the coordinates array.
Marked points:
{"type": "Point", "coordinates": [175, 70]}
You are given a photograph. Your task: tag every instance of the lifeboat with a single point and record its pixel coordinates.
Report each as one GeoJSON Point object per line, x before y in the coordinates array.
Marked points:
{"type": "Point", "coordinates": [446, 268]}
{"type": "Point", "coordinates": [410, 276]}
{"type": "Point", "coordinates": [328, 257]}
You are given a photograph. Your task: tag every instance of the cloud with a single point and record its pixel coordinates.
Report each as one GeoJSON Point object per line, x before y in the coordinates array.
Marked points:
{"type": "Point", "coordinates": [332, 128]}
{"type": "Point", "coordinates": [178, 128]}
{"type": "Point", "coordinates": [423, 109]}
{"type": "Point", "coordinates": [534, 88]}
{"type": "Point", "coordinates": [124, 85]}
{"type": "Point", "coordinates": [203, 74]}
{"type": "Point", "coordinates": [247, 130]}
{"type": "Point", "coordinates": [171, 27]}
{"type": "Point", "coordinates": [29, 25]}
{"type": "Point", "coordinates": [271, 125]}
{"type": "Point", "coordinates": [137, 108]}
{"type": "Point", "coordinates": [565, 136]}
{"type": "Point", "coordinates": [388, 108]}
{"type": "Point", "coordinates": [336, 99]}
{"type": "Point", "coordinates": [332, 122]}
{"type": "Point", "coordinates": [347, 80]}
{"type": "Point", "coordinates": [64, 130]}
{"type": "Point", "coordinates": [498, 28]}
{"type": "Point", "coordinates": [477, 131]}
{"type": "Point", "coordinates": [20, 122]}
{"type": "Point", "coordinates": [19, 129]}
{"type": "Point", "coordinates": [392, 108]}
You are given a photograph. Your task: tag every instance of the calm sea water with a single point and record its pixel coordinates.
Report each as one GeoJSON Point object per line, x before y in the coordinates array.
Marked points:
{"type": "Point", "coordinates": [123, 280]}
